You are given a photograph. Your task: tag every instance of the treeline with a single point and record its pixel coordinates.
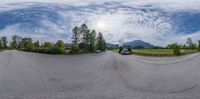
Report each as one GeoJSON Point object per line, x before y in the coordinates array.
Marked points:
{"type": "Point", "coordinates": [27, 44]}
{"type": "Point", "coordinates": [189, 45]}
{"type": "Point", "coordinates": [85, 40]}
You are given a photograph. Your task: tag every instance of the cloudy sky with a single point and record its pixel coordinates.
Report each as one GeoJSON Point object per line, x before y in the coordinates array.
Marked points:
{"type": "Point", "coordinates": [159, 22]}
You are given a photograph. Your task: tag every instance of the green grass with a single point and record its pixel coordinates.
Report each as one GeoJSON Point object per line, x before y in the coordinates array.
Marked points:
{"type": "Point", "coordinates": [158, 52]}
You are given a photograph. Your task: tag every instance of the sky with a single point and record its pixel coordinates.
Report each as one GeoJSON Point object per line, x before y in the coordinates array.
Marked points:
{"type": "Point", "coordinates": [159, 22]}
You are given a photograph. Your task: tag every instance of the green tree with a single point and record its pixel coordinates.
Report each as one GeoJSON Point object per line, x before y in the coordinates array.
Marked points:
{"type": "Point", "coordinates": [101, 44]}
{"type": "Point", "coordinates": [176, 50]}
{"type": "Point", "coordinates": [130, 50]}
{"type": "Point", "coordinates": [75, 40]}
{"type": "Point", "coordinates": [171, 46]}
{"type": "Point", "coordinates": [14, 43]}
{"type": "Point", "coordinates": [120, 49]}
{"type": "Point", "coordinates": [193, 46]}
{"type": "Point", "coordinates": [199, 43]}
{"type": "Point", "coordinates": [104, 44]}
{"type": "Point", "coordinates": [60, 44]}
{"type": "Point", "coordinates": [92, 39]}
{"type": "Point", "coordinates": [27, 43]}
{"type": "Point", "coordinates": [85, 37]}
{"type": "Point", "coordinates": [37, 44]}
{"type": "Point", "coordinates": [47, 45]}
{"type": "Point", "coordinates": [4, 42]}
{"type": "Point", "coordinates": [59, 48]}
{"type": "Point", "coordinates": [1, 46]}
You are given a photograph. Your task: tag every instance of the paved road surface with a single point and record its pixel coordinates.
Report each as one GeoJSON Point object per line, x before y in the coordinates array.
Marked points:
{"type": "Point", "coordinates": [98, 76]}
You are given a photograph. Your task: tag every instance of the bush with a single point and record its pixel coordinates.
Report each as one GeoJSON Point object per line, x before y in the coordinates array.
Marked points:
{"type": "Point", "coordinates": [176, 50]}
{"type": "Point", "coordinates": [57, 50]}
{"type": "Point", "coordinates": [74, 50]}
{"type": "Point", "coordinates": [198, 49]}
{"type": "Point", "coordinates": [54, 50]}
{"type": "Point", "coordinates": [130, 50]}
{"type": "Point", "coordinates": [120, 49]}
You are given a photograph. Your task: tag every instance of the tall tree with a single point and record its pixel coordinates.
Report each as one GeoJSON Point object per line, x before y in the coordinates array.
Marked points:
{"type": "Point", "coordinates": [189, 42]}
{"type": "Point", "coordinates": [1, 45]}
{"type": "Point", "coordinates": [199, 43]}
{"type": "Point", "coordinates": [27, 43]}
{"type": "Point", "coordinates": [92, 38]}
{"type": "Point", "coordinates": [14, 43]}
{"type": "Point", "coordinates": [75, 40]}
{"type": "Point", "coordinates": [85, 36]}
{"type": "Point", "coordinates": [37, 44]}
{"type": "Point", "coordinates": [101, 44]}
{"type": "Point", "coordinates": [4, 41]}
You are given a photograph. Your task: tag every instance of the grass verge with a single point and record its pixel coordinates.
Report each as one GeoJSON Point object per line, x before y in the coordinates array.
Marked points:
{"type": "Point", "coordinates": [158, 52]}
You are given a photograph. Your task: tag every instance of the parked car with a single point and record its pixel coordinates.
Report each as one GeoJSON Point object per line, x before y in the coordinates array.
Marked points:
{"type": "Point", "coordinates": [97, 51]}
{"type": "Point", "coordinates": [125, 52]}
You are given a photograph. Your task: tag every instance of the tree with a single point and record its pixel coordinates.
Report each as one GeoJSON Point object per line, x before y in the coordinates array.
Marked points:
{"type": "Point", "coordinates": [130, 50]}
{"type": "Point", "coordinates": [193, 46]}
{"type": "Point", "coordinates": [59, 48]}
{"type": "Point", "coordinates": [14, 43]}
{"type": "Point", "coordinates": [171, 46]}
{"type": "Point", "coordinates": [120, 49]}
{"type": "Point", "coordinates": [176, 50]}
{"type": "Point", "coordinates": [101, 44]}
{"type": "Point", "coordinates": [104, 44]}
{"type": "Point", "coordinates": [199, 43]}
{"type": "Point", "coordinates": [189, 43]}
{"type": "Point", "coordinates": [1, 46]}
{"type": "Point", "coordinates": [27, 43]}
{"type": "Point", "coordinates": [92, 39]}
{"type": "Point", "coordinates": [4, 42]}
{"type": "Point", "coordinates": [60, 44]}
{"type": "Point", "coordinates": [85, 37]}
{"type": "Point", "coordinates": [37, 44]}
{"type": "Point", "coordinates": [75, 40]}
{"type": "Point", "coordinates": [47, 45]}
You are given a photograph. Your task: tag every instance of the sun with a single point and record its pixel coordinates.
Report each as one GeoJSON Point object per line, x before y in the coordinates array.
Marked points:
{"type": "Point", "coordinates": [101, 25]}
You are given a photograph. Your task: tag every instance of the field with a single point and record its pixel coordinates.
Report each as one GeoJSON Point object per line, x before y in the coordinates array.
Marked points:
{"type": "Point", "coordinates": [158, 52]}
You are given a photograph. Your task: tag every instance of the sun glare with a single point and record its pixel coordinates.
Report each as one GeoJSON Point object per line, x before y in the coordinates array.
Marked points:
{"type": "Point", "coordinates": [101, 25]}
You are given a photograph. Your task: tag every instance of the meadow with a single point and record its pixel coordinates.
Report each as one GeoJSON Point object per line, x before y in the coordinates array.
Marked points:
{"type": "Point", "coordinates": [158, 52]}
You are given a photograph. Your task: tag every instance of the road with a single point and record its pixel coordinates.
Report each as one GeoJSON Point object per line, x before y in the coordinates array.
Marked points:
{"type": "Point", "coordinates": [98, 76]}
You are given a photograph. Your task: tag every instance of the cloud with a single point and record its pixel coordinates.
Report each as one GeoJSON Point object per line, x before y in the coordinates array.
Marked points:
{"type": "Point", "coordinates": [149, 20]}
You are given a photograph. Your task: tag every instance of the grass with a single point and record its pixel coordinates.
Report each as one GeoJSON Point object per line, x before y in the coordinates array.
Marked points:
{"type": "Point", "coordinates": [158, 52]}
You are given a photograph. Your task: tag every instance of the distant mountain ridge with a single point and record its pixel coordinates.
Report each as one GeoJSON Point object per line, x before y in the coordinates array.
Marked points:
{"type": "Point", "coordinates": [133, 44]}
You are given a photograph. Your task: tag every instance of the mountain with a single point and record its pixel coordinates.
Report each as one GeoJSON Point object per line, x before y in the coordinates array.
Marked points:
{"type": "Point", "coordinates": [133, 44]}
{"type": "Point", "coordinates": [138, 44]}
{"type": "Point", "coordinates": [109, 45]}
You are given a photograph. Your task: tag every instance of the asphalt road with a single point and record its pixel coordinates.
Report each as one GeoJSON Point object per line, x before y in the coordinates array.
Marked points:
{"type": "Point", "coordinates": [98, 76]}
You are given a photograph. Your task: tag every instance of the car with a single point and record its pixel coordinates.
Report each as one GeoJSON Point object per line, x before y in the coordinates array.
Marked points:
{"type": "Point", "coordinates": [125, 52]}
{"type": "Point", "coordinates": [97, 51]}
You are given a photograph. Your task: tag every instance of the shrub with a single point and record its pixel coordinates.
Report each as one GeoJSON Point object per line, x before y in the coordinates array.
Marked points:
{"type": "Point", "coordinates": [120, 49]}
{"type": "Point", "coordinates": [57, 50]}
{"type": "Point", "coordinates": [74, 50]}
{"type": "Point", "coordinates": [54, 50]}
{"type": "Point", "coordinates": [130, 50]}
{"type": "Point", "coordinates": [198, 49]}
{"type": "Point", "coordinates": [176, 50]}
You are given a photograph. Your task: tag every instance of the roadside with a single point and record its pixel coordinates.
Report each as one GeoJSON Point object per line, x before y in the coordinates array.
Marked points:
{"type": "Point", "coordinates": [158, 52]}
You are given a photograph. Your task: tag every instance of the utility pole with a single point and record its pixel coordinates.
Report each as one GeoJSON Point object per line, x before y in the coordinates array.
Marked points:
{"type": "Point", "coordinates": [121, 42]}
